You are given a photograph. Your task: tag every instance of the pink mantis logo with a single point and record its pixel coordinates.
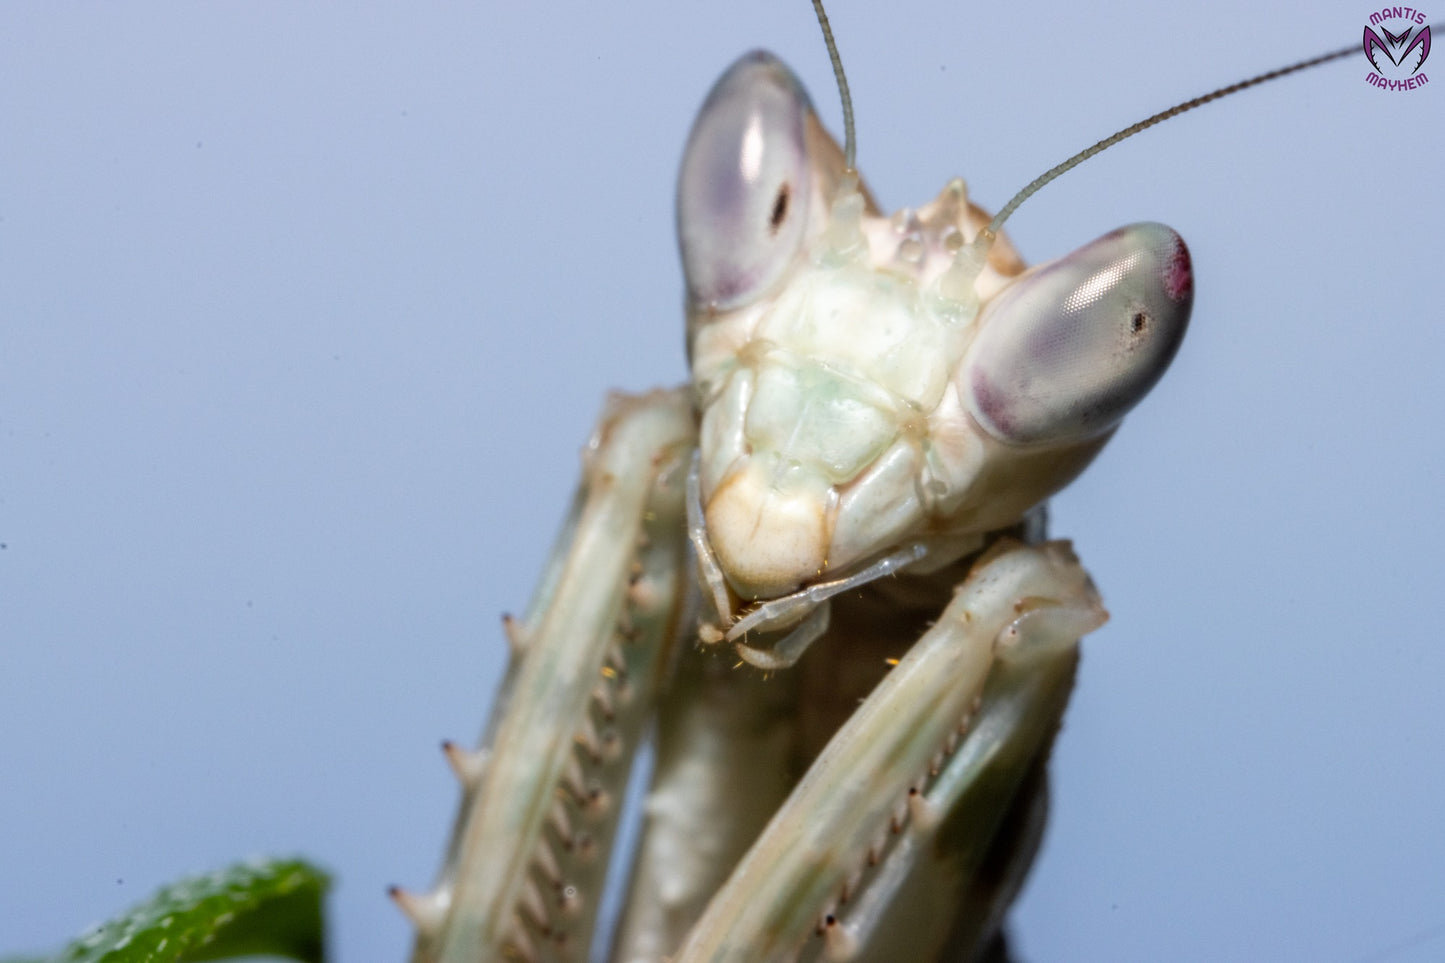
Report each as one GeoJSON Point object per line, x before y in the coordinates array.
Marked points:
{"type": "Point", "coordinates": [1398, 56]}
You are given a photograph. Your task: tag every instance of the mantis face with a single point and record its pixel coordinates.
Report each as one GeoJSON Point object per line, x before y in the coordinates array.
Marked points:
{"type": "Point", "coordinates": [868, 382]}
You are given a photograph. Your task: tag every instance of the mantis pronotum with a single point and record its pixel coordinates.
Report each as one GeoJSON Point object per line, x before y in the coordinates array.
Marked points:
{"type": "Point", "coordinates": [1239, 630]}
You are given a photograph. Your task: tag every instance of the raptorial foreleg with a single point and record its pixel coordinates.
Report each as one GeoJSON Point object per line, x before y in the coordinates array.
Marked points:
{"type": "Point", "coordinates": [525, 867]}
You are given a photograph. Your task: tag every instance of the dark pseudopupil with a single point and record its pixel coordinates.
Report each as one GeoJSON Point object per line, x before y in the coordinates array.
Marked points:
{"type": "Point", "coordinates": [780, 209]}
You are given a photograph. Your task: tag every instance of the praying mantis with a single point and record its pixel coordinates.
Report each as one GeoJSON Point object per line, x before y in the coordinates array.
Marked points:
{"type": "Point", "coordinates": [1164, 520]}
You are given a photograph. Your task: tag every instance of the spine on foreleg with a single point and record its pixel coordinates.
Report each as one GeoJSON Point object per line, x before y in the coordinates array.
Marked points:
{"type": "Point", "coordinates": [858, 826]}
{"type": "Point", "coordinates": [528, 855]}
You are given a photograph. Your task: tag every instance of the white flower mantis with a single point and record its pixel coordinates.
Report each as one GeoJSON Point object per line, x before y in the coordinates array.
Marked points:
{"type": "Point", "coordinates": [1237, 697]}
{"type": "Point", "coordinates": [873, 395]}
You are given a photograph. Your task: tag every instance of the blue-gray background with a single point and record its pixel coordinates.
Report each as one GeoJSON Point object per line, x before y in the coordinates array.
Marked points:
{"type": "Point", "coordinates": [305, 311]}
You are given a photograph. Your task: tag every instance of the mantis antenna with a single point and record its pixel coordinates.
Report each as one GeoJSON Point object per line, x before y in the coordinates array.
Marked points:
{"type": "Point", "coordinates": [1188, 105]}
{"type": "Point", "coordinates": [850, 142]}
{"type": "Point", "coordinates": [1033, 186]}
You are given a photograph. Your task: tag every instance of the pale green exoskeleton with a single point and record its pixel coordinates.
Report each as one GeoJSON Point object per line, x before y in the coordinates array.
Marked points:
{"type": "Point", "coordinates": [859, 413]}
{"type": "Point", "coordinates": [847, 496]}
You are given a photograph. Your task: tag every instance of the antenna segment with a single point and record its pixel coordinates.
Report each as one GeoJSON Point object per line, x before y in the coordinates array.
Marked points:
{"type": "Point", "coordinates": [850, 145]}
{"type": "Point", "coordinates": [1188, 105]}
{"type": "Point", "coordinates": [969, 260]}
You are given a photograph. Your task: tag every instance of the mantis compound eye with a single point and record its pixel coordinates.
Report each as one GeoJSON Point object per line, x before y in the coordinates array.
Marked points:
{"type": "Point", "coordinates": [1066, 351]}
{"type": "Point", "coordinates": [744, 187]}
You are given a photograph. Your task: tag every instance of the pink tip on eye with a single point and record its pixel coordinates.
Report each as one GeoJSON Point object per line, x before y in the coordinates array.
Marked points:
{"type": "Point", "coordinates": [1178, 273]}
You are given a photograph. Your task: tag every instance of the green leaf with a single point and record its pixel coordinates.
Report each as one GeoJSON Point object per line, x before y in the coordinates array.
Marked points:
{"type": "Point", "coordinates": [257, 907]}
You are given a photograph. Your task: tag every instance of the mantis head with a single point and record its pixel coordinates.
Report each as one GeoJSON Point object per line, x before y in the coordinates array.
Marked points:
{"type": "Point", "coordinates": [869, 382]}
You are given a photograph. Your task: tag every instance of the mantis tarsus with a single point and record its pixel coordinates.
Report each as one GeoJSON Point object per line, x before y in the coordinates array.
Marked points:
{"type": "Point", "coordinates": [1241, 631]}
